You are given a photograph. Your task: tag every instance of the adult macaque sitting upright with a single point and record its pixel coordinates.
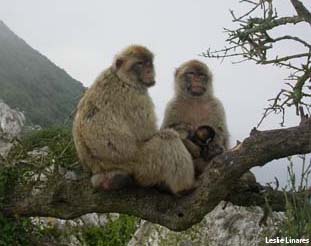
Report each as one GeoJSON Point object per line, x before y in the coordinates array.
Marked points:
{"type": "Point", "coordinates": [195, 108]}
{"type": "Point", "coordinates": [196, 112]}
{"type": "Point", "coordinates": [115, 131]}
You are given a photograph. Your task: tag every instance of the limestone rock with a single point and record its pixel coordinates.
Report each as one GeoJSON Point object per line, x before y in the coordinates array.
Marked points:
{"type": "Point", "coordinates": [233, 225]}
{"type": "Point", "coordinates": [11, 122]}
{"type": "Point", "coordinates": [11, 125]}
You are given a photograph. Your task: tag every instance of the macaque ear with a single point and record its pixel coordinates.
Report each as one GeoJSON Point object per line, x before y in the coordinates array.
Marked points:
{"type": "Point", "coordinates": [118, 63]}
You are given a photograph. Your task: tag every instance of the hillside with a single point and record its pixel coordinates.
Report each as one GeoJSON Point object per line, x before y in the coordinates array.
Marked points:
{"type": "Point", "coordinates": [33, 84]}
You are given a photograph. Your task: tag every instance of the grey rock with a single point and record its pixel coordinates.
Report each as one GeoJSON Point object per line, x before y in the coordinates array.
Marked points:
{"type": "Point", "coordinates": [11, 122]}
{"type": "Point", "coordinates": [233, 225]}
{"type": "Point", "coordinates": [39, 152]}
{"type": "Point", "coordinates": [11, 125]}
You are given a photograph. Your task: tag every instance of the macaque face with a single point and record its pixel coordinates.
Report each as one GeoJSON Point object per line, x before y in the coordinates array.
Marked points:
{"type": "Point", "coordinates": [143, 70]}
{"type": "Point", "coordinates": [137, 69]}
{"type": "Point", "coordinates": [205, 134]}
{"type": "Point", "coordinates": [196, 80]}
{"type": "Point", "coordinates": [202, 136]}
{"type": "Point", "coordinates": [193, 80]}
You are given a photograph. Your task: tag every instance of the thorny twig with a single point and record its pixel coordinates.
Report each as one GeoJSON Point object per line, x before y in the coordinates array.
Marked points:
{"type": "Point", "coordinates": [251, 41]}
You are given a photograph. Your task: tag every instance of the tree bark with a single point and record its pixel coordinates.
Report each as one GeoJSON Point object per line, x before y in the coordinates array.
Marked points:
{"type": "Point", "coordinates": [302, 10]}
{"type": "Point", "coordinates": [69, 199]}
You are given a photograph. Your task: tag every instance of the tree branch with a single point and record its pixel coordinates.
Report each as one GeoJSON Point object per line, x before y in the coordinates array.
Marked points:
{"type": "Point", "coordinates": [285, 58]}
{"type": "Point", "coordinates": [288, 37]}
{"type": "Point", "coordinates": [67, 199]}
{"type": "Point", "coordinates": [265, 25]}
{"type": "Point", "coordinates": [252, 40]}
{"type": "Point", "coordinates": [301, 10]}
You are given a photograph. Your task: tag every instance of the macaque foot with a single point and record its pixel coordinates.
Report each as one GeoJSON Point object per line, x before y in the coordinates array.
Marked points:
{"type": "Point", "coordinates": [112, 181]}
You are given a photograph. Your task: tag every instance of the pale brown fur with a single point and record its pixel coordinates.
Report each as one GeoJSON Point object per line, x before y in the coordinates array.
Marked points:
{"type": "Point", "coordinates": [115, 129]}
{"type": "Point", "coordinates": [186, 112]}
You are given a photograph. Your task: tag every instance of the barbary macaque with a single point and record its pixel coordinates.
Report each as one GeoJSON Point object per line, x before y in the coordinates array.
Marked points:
{"type": "Point", "coordinates": [194, 105]}
{"type": "Point", "coordinates": [115, 130]}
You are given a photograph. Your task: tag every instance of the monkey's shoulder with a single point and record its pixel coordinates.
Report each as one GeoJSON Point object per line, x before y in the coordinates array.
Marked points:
{"type": "Point", "coordinates": [216, 102]}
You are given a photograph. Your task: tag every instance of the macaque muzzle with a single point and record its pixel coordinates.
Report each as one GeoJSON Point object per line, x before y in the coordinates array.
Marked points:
{"type": "Point", "coordinates": [196, 88]}
{"type": "Point", "coordinates": [147, 77]}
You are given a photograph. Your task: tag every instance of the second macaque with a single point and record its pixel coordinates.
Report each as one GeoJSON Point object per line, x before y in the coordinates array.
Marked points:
{"type": "Point", "coordinates": [193, 106]}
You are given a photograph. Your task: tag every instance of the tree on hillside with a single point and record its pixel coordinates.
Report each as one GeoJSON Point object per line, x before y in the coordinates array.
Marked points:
{"type": "Point", "coordinates": [251, 40]}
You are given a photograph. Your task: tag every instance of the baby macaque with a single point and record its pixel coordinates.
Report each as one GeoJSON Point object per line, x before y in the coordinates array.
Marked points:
{"type": "Point", "coordinates": [202, 137]}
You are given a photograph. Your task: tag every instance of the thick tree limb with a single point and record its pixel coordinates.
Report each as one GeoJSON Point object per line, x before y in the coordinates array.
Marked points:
{"type": "Point", "coordinates": [301, 10]}
{"type": "Point", "coordinates": [264, 25]}
{"type": "Point", "coordinates": [70, 199]}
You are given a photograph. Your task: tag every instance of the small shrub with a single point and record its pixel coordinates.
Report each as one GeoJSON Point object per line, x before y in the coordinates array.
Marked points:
{"type": "Point", "coordinates": [115, 233]}
{"type": "Point", "coordinates": [298, 211]}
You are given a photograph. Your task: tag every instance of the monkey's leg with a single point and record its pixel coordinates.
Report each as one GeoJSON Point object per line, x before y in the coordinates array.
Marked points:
{"type": "Point", "coordinates": [112, 180]}
{"type": "Point", "coordinates": [112, 146]}
{"type": "Point", "coordinates": [165, 160]}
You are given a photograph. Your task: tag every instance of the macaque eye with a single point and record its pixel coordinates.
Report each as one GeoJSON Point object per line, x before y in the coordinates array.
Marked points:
{"type": "Point", "coordinates": [203, 76]}
{"type": "Point", "coordinates": [139, 65]}
{"type": "Point", "coordinates": [190, 74]}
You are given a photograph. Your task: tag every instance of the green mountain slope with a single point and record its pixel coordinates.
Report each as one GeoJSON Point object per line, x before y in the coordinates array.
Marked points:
{"type": "Point", "coordinates": [33, 84]}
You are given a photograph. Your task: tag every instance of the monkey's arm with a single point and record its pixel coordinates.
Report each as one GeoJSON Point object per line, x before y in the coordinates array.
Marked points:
{"type": "Point", "coordinates": [193, 149]}
{"type": "Point", "coordinates": [182, 128]}
{"type": "Point", "coordinates": [173, 120]}
{"type": "Point", "coordinates": [183, 132]}
{"type": "Point", "coordinates": [219, 124]}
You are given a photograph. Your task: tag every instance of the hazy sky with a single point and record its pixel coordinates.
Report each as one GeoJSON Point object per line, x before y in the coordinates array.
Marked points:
{"type": "Point", "coordinates": [83, 36]}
